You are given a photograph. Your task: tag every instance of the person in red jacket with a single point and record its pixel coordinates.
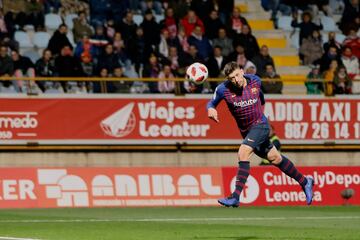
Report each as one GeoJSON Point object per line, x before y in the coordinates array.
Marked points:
{"type": "Point", "coordinates": [190, 21]}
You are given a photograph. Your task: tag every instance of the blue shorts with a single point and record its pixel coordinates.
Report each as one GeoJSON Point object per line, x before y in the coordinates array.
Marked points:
{"type": "Point", "coordinates": [258, 138]}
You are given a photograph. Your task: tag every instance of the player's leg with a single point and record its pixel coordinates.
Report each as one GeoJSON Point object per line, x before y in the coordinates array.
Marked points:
{"type": "Point", "coordinates": [287, 167]}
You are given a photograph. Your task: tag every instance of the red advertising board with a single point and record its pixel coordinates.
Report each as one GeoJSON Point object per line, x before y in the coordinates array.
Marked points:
{"type": "Point", "coordinates": [269, 186]}
{"type": "Point", "coordinates": [169, 120]}
{"type": "Point", "coordinates": [186, 186]}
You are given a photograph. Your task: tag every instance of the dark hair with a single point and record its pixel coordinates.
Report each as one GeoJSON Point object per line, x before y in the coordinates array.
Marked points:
{"type": "Point", "coordinates": [230, 67]}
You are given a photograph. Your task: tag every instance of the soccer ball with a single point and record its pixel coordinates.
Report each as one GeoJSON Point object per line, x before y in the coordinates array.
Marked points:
{"type": "Point", "coordinates": [197, 73]}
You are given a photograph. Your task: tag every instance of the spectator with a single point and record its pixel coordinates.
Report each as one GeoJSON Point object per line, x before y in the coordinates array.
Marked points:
{"type": "Point", "coordinates": [215, 65]}
{"type": "Point", "coordinates": [170, 23]}
{"type": "Point", "coordinates": [311, 48]}
{"type": "Point", "coordinates": [275, 6]}
{"type": "Point", "coordinates": [328, 76]}
{"type": "Point", "coordinates": [99, 40]}
{"type": "Point", "coordinates": [272, 82]}
{"type": "Point", "coordinates": [45, 67]}
{"type": "Point", "coordinates": [163, 47]}
{"type": "Point", "coordinates": [353, 41]}
{"type": "Point", "coordinates": [202, 8]}
{"type": "Point", "coordinates": [136, 49]}
{"type": "Point", "coordinates": [225, 9]}
{"type": "Point", "coordinates": [151, 31]}
{"type": "Point", "coordinates": [110, 28]}
{"type": "Point", "coordinates": [81, 27]}
{"type": "Point", "coordinates": [35, 14]}
{"type": "Point", "coordinates": [174, 61]}
{"type": "Point", "coordinates": [121, 86]}
{"type": "Point", "coordinates": [262, 60]}
{"type": "Point", "coordinates": [59, 40]}
{"type": "Point", "coordinates": [190, 21]}
{"type": "Point", "coordinates": [212, 25]}
{"type": "Point", "coordinates": [151, 5]}
{"type": "Point", "coordinates": [127, 27]}
{"type": "Point", "coordinates": [327, 58]}
{"type": "Point", "coordinates": [350, 62]}
{"type": "Point", "coordinates": [332, 42]}
{"type": "Point", "coordinates": [224, 42]}
{"type": "Point", "coordinates": [151, 70]}
{"type": "Point", "coordinates": [103, 86]}
{"type": "Point", "coordinates": [237, 22]}
{"type": "Point", "coordinates": [108, 59]}
{"type": "Point", "coordinates": [84, 47]}
{"type": "Point", "coordinates": [181, 8]}
{"type": "Point", "coordinates": [351, 12]}
{"type": "Point", "coordinates": [342, 81]}
{"type": "Point", "coordinates": [201, 42]}
{"type": "Point", "coordinates": [6, 70]}
{"type": "Point", "coordinates": [307, 27]}
{"type": "Point", "coordinates": [166, 85]}
{"type": "Point", "coordinates": [183, 45]}
{"type": "Point", "coordinates": [3, 29]}
{"type": "Point", "coordinates": [314, 84]}
{"type": "Point", "coordinates": [118, 9]}
{"type": "Point", "coordinates": [23, 67]}
{"type": "Point", "coordinates": [248, 41]}
{"type": "Point", "coordinates": [239, 50]}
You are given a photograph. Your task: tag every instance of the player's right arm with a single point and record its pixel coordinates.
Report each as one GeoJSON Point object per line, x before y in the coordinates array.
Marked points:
{"type": "Point", "coordinates": [212, 104]}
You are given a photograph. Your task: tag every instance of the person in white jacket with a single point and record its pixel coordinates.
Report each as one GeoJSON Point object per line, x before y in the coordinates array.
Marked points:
{"type": "Point", "coordinates": [350, 61]}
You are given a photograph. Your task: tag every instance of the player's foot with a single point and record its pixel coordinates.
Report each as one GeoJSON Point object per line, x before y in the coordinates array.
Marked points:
{"type": "Point", "coordinates": [229, 201]}
{"type": "Point", "coordinates": [308, 189]}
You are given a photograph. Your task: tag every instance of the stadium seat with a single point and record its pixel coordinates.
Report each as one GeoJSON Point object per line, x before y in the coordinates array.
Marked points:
{"type": "Point", "coordinates": [32, 54]}
{"type": "Point", "coordinates": [294, 40]}
{"type": "Point", "coordinates": [138, 19]}
{"type": "Point", "coordinates": [328, 24]}
{"type": "Point", "coordinates": [70, 36]}
{"type": "Point", "coordinates": [23, 39]}
{"type": "Point", "coordinates": [41, 39]}
{"type": "Point", "coordinates": [69, 20]}
{"type": "Point", "coordinates": [52, 21]}
{"type": "Point", "coordinates": [159, 18]}
{"type": "Point", "coordinates": [339, 37]}
{"type": "Point", "coordinates": [284, 22]}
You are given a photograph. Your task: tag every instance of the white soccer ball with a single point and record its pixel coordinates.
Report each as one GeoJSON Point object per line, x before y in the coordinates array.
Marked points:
{"type": "Point", "coordinates": [197, 73]}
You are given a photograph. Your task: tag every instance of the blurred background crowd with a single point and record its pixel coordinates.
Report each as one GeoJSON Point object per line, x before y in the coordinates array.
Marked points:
{"type": "Point", "coordinates": [159, 38]}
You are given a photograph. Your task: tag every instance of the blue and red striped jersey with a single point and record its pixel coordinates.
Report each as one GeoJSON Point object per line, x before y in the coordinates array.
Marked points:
{"type": "Point", "coordinates": [245, 104]}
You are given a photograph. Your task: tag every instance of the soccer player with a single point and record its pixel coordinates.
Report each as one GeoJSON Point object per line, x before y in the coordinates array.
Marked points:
{"type": "Point", "coordinates": [243, 96]}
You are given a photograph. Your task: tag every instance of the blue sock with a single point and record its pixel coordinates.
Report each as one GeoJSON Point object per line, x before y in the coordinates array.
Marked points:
{"type": "Point", "coordinates": [241, 177]}
{"type": "Point", "coordinates": [287, 167]}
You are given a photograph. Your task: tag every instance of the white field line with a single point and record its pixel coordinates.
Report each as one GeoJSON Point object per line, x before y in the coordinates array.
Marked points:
{"type": "Point", "coordinates": [176, 219]}
{"type": "Point", "coordinates": [13, 238]}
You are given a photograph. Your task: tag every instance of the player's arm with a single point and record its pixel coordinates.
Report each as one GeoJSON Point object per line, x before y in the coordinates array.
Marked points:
{"type": "Point", "coordinates": [212, 104]}
{"type": "Point", "coordinates": [262, 98]}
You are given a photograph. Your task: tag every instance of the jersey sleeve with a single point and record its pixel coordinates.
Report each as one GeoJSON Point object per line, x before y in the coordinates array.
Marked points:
{"type": "Point", "coordinates": [257, 80]}
{"type": "Point", "coordinates": [217, 97]}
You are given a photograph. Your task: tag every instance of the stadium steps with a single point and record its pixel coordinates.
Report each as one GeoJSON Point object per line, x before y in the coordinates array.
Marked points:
{"type": "Point", "coordinates": [272, 42]}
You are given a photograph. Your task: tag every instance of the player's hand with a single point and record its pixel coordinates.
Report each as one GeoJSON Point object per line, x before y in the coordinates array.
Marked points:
{"type": "Point", "coordinates": [212, 114]}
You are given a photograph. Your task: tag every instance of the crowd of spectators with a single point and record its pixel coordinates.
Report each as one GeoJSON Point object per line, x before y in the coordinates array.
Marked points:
{"type": "Point", "coordinates": [111, 41]}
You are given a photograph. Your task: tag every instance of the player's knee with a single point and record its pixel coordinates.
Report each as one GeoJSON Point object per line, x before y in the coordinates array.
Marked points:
{"type": "Point", "coordinates": [275, 158]}
{"type": "Point", "coordinates": [244, 153]}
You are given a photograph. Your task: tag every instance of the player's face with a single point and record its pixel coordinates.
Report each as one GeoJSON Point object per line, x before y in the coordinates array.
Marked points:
{"type": "Point", "coordinates": [237, 77]}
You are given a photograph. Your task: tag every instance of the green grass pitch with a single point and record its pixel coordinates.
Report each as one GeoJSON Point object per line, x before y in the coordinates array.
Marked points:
{"type": "Point", "coordinates": [244, 223]}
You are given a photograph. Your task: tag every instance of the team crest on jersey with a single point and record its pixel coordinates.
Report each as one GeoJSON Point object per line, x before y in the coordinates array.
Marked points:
{"type": "Point", "coordinates": [254, 90]}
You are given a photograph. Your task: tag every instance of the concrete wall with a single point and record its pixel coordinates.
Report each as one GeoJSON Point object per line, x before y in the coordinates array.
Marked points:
{"type": "Point", "coordinates": [122, 159]}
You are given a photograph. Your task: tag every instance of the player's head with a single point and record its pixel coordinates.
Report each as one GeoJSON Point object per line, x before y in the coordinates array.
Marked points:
{"type": "Point", "coordinates": [235, 74]}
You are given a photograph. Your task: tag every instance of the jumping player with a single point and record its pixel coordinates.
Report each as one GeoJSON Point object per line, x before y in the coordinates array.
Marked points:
{"type": "Point", "coordinates": [243, 96]}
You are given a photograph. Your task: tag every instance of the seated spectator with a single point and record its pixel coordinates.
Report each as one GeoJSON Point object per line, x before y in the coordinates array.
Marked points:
{"type": "Point", "coordinates": [23, 67]}
{"type": "Point", "coordinates": [6, 69]}
{"type": "Point", "coordinates": [263, 59]}
{"type": "Point", "coordinates": [84, 47]}
{"type": "Point", "coordinates": [244, 62]}
{"type": "Point", "coordinates": [215, 65]}
{"type": "Point", "coordinates": [202, 8]}
{"type": "Point", "coordinates": [239, 50]}
{"type": "Point", "coordinates": [45, 67]}
{"type": "Point", "coordinates": [136, 49]}
{"type": "Point", "coordinates": [350, 62]}
{"type": "Point", "coordinates": [190, 21]}
{"type": "Point", "coordinates": [201, 42]}
{"type": "Point", "coordinates": [35, 14]}
{"type": "Point", "coordinates": [311, 48]}
{"type": "Point", "coordinates": [191, 56]}
{"type": "Point", "coordinates": [237, 22]}
{"type": "Point", "coordinates": [152, 5]}
{"type": "Point", "coordinates": [327, 58]}
{"type": "Point", "coordinates": [328, 76]}
{"type": "Point", "coordinates": [314, 84]}
{"type": "Point", "coordinates": [102, 86]}
{"type": "Point", "coordinates": [110, 28]}
{"type": "Point", "coordinates": [151, 70]}
{"type": "Point", "coordinates": [342, 81]}
{"type": "Point", "coordinates": [127, 27]}
{"type": "Point", "coordinates": [163, 47]}
{"type": "Point", "coordinates": [212, 25]}
{"type": "Point", "coordinates": [332, 42]}
{"type": "Point", "coordinates": [307, 27]}
{"type": "Point", "coordinates": [272, 82]}
{"type": "Point", "coordinates": [59, 40]}
{"type": "Point", "coordinates": [170, 23]}
{"type": "Point", "coordinates": [250, 70]}
{"type": "Point", "coordinates": [224, 42]}
{"type": "Point", "coordinates": [181, 41]}
{"type": "Point", "coordinates": [108, 59]}
{"type": "Point", "coordinates": [81, 27]}
{"type": "Point", "coordinates": [120, 86]}
{"type": "Point", "coordinates": [225, 9]}
{"type": "Point", "coordinates": [165, 85]}
{"type": "Point", "coordinates": [248, 40]}
{"type": "Point", "coordinates": [353, 41]}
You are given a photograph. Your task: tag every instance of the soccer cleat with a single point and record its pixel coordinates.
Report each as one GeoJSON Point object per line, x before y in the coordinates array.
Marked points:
{"type": "Point", "coordinates": [308, 189]}
{"type": "Point", "coordinates": [229, 202]}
